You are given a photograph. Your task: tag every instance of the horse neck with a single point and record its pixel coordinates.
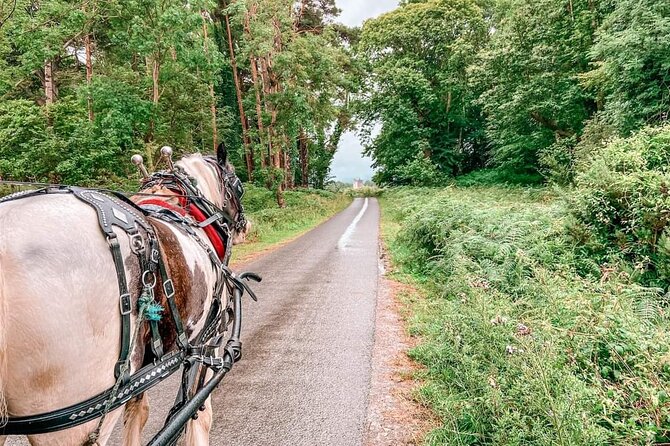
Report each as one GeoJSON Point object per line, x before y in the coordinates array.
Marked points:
{"type": "Point", "coordinates": [206, 176]}
{"type": "Point", "coordinates": [192, 273]}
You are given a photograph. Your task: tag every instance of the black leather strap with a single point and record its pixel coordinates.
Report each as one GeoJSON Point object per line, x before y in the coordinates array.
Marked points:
{"type": "Point", "coordinates": [168, 289]}
{"type": "Point", "coordinates": [125, 304]}
{"type": "Point", "coordinates": [93, 408]}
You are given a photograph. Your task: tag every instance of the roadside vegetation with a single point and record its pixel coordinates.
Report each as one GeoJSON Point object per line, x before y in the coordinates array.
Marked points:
{"type": "Point", "coordinates": [545, 315]}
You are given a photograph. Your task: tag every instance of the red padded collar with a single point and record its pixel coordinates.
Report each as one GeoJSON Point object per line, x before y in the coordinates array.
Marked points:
{"type": "Point", "coordinates": [198, 215]}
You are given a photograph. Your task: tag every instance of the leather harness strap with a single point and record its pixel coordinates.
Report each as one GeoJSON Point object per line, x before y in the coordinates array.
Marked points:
{"type": "Point", "coordinates": [112, 212]}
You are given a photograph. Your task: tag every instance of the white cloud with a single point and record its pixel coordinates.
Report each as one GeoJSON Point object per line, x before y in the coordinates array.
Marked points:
{"type": "Point", "coordinates": [355, 12]}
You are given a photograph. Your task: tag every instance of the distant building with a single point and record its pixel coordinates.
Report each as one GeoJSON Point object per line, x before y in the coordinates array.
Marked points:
{"type": "Point", "coordinates": [358, 184]}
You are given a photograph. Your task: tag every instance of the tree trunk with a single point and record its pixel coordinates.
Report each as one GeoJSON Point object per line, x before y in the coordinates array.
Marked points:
{"type": "Point", "coordinates": [268, 89]}
{"type": "Point", "coordinates": [248, 150]}
{"type": "Point", "coordinates": [89, 75]}
{"type": "Point", "coordinates": [155, 66]}
{"type": "Point", "coordinates": [254, 78]}
{"type": "Point", "coordinates": [281, 202]}
{"type": "Point", "coordinates": [212, 96]}
{"type": "Point", "coordinates": [288, 168]}
{"type": "Point", "coordinates": [304, 159]}
{"type": "Point", "coordinates": [212, 109]}
{"type": "Point", "coordinates": [259, 110]}
{"type": "Point", "coordinates": [50, 92]}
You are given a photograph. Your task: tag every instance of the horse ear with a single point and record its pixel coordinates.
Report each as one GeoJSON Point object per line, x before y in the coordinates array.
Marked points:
{"type": "Point", "coordinates": [222, 154]}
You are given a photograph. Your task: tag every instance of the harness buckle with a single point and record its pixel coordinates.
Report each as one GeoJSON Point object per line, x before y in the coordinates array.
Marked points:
{"type": "Point", "coordinates": [137, 243]}
{"type": "Point", "coordinates": [155, 255]}
{"type": "Point", "coordinates": [168, 288]}
{"type": "Point", "coordinates": [125, 305]}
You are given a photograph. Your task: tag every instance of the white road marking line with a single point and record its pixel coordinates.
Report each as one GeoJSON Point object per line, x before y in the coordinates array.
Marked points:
{"type": "Point", "coordinates": [342, 243]}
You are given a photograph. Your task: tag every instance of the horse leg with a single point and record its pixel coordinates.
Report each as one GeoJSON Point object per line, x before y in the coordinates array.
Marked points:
{"type": "Point", "coordinates": [197, 431]}
{"type": "Point", "coordinates": [135, 416]}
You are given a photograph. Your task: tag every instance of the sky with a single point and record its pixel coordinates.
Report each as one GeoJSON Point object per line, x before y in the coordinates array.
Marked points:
{"type": "Point", "coordinates": [349, 163]}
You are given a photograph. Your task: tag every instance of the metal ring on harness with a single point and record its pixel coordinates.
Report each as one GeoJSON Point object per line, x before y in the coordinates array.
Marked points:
{"type": "Point", "coordinates": [145, 281]}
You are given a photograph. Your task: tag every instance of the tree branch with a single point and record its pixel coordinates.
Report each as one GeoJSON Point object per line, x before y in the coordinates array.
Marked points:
{"type": "Point", "coordinates": [9, 16]}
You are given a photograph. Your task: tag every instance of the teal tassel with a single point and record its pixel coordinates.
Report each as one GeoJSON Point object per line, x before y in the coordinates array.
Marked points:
{"type": "Point", "coordinates": [153, 312]}
{"type": "Point", "coordinates": [149, 309]}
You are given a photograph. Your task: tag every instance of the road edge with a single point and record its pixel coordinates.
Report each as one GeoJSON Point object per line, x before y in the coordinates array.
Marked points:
{"type": "Point", "coordinates": [394, 417]}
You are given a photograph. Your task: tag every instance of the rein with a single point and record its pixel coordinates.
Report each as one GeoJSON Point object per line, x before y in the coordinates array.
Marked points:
{"type": "Point", "coordinates": [224, 316]}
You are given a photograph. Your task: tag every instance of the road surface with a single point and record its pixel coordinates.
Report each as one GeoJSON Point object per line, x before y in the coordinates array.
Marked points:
{"type": "Point", "coordinates": [307, 344]}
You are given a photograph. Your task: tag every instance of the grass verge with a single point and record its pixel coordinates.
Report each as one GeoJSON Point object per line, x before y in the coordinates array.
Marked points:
{"type": "Point", "coordinates": [525, 340]}
{"type": "Point", "coordinates": [272, 225]}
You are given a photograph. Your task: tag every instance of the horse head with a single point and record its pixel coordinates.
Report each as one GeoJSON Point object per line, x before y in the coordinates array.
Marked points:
{"type": "Point", "coordinates": [207, 178]}
{"type": "Point", "coordinates": [216, 179]}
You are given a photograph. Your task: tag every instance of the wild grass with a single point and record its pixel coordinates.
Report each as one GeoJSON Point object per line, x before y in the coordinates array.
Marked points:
{"type": "Point", "coordinates": [525, 340]}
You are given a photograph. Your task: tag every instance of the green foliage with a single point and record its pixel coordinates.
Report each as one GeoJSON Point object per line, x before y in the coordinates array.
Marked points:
{"type": "Point", "coordinates": [520, 348]}
{"type": "Point", "coordinates": [418, 82]}
{"type": "Point", "coordinates": [366, 192]}
{"type": "Point", "coordinates": [499, 176]}
{"type": "Point", "coordinates": [420, 171]}
{"type": "Point", "coordinates": [520, 96]}
{"type": "Point", "coordinates": [557, 162]}
{"type": "Point", "coordinates": [632, 64]}
{"type": "Point", "coordinates": [151, 67]}
{"type": "Point", "coordinates": [532, 96]}
{"type": "Point", "coordinates": [621, 203]}
{"type": "Point", "coordinates": [161, 73]}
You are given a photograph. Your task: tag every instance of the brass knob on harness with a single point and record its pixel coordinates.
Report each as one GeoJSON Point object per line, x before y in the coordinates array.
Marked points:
{"type": "Point", "coordinates": [139, 162]}
{"type": "Point", "coordinates": [166, 153]}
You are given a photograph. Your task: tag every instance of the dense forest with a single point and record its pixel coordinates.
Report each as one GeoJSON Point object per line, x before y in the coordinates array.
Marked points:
{"type": "Point", "coordinates": [83, 85]}
{"type": "Point", "coordinates": [527, 87]}
{"type": "Point", "coordinates": [524, 86]}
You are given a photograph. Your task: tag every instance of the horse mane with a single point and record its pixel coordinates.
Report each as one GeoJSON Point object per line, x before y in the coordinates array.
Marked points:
{"type": "Point", "coordinates": [199, 155]}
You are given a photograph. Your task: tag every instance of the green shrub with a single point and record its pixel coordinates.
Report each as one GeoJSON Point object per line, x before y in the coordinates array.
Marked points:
{"type": "Point", "coordinates": [500, 176]}
{"type": "Point", "coordinates": [557, 162]}
{"type": "Point", "coordinates": [366, 191]}
{"type": "Point", "coordinates": [521, 349]}
{"type": "Point", "coordinates": [621, 204]}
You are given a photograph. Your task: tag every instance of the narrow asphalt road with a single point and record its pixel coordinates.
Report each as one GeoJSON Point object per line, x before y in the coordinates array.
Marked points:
{"type": "Point", "coordinates": [305, 376]}
{"type": "Point", "coordinates": [307, 344]}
